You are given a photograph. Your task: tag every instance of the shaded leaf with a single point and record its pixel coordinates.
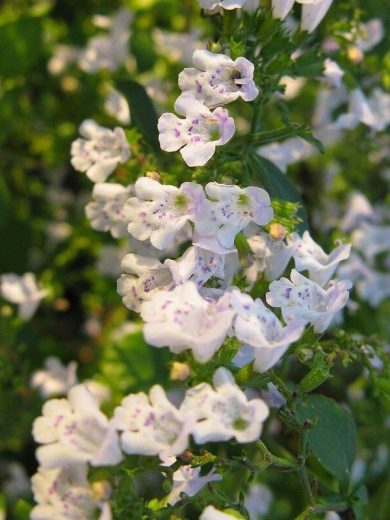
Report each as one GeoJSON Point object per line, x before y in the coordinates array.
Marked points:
{"type": "Point", "coordinates": [332, 439]}
{"type": "Point", "coordinates": [264, 173]}
{"type": "Point", "coordinates": [142, 110]}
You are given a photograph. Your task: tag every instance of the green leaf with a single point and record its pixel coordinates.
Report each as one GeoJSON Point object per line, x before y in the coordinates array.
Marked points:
{"type": "Point", "coordinates": [332, 439]}
{"type": "Point", "coordinates": [142, 110]}
{"type": "Point", "coordinates": [278, 185]}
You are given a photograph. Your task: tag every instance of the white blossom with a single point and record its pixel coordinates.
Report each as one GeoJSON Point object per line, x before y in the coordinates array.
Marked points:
{"type": "Point", "coordinates": [99, 150]}
{"type": "Point", "coordinates": [371, 240]}
{"type": "Point", "coordinates": [181, 319]}
{"type": "Point", "coordinates": [108, 51]}
{"type": "Point", "coordinates": [308, 255]}
{"type": "Point", "coordinates": [358, 211]}
{"type": "Point", "coordinates": [64, 494]}
{"type": "Point", "coordinates": [198, 134]}
{"type": "Point", "coordinates": [23, 291]}
{"type": "Point", "coordinates": [257, 501]}
{"type": "Point", "coordinates": [107, 212]}
{"type": "Point", "coordinates": [151, 425]}
{"type": "Point", "coordinates": [371, 285]}
{"type": "Point", "coordinates": [116, 106]}
{"type": "Point", "coordinates": [269, 257]}
{"type": "Point", "coordinates": [218, 80]}
{"type": "Point", "coordinates": [109, 260]}
{"type": "Point", "coordinates": [141, 278]}
{"type": "Point", "coordinates": [333, 73]}
{"type": "Point", "coordinates": [74, 430]}
{"type": "Point", "coordinates": [63, 56]}
{"type": "Point", "coordinates": [290, 151]}
{"type": "Point", "coordinates": [177, 47]}
{"type": "Point", "coordinates": [232, 209]}
{"type": "Point", "coordinates": [224, 412]}
{"type": "Point", "coordinates": [189, 481]}
{"type": "Point", "coordinates": [211, 513]}
{"type": "Point", "coordinates": [313, 11]}
{"type": "Point", "coordinates": [374, 112]}
{"type": "Point", "coordinates": [226, 4]}
{"type": "Point", "coordinates": [159, 212]}
{"type": "Point", "coordinates": [258, 327]}
{"type": "Point", "coordinates": [55, 378]}
{"type": "Point", "coordinates": [199, 265]}
{"type": "Point", "coordinates": [303, 300]}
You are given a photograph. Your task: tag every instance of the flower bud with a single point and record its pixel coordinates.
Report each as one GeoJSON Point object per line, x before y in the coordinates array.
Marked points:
{"type": "Point", "coordinates": [277, 231]}
{"type": "Point", "coordinates": [179, 371]}
{"type": "Point", "coordinates": [153, 175]}
{"type": "Point", "coordinates": [354, 54]}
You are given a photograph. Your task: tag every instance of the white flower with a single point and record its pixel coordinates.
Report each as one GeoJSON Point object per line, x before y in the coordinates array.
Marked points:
{"type": "Point", "coordinates": [151, 425]}
{"type": "Point", "coordinates": [371, 240]}
{"type": "Point", "coordinates": [371, 285]}
{"type": "Point", "coordinates": [258, 500]}
{"type": "Point", "coordinates": [370, 34]}
{"type": "Point", "coordinates": [199, 265]}
{"type": "Point", "coordinates": [63, 56]}
{"type": "Point", "coordinates": [308, 255]}
{"type": "Point", "coordinates": [258, 327]}
{"type": "Point", "coordinates": [17, 483]}
{"type": "Point", "coordinates": [189, 481]}
{"type": "Point", "coordinates": [288, 152]}
{"type": "Point", "coordinates": [303, 300]}
{"type": "Point", "coordinates": [218, 80]}
{"type": "Point", "coordinates": [142, 277]}
{"type": "Point", "coordinates": [226, 4]}
{"type": "Point", "coordinates": [333, 73]}
{"type": "Point", "coordinates": [111, 50]}
{"type": "Point", "coordinates": [107, 212]}
{"type": "Point", "coordinates": [224, 412]}
{"type": "Point", "coordinates": [64, 494]}
{"type": "Point", "coordinates": [269, 257]}
{"type": "Point", "coordinates": [313, 11]}
{"type": "Point", "coordinates": [177, 47]}
{"type": "Point", "coordinates": [55, 379]}
{"type": "Point", "coordinates": [99, 391]}
{"type": "Point", "coordinates": [74, 430]}
{"type": "Point", "coordinates": [22, 290]}
{"type": "Point", "coordinates": [109, 260]}
{"type": "Point", "coordinates": [198, 134]}
{"type": "Point", "coordinates": [211, 513]}
{"type": "Point", "coordinates": [99, 150]}
{"type": "Point", "coordinates": [231, 210]}
{"type": "Point", "coordinates": [359, 210]}
{"type": "Point", "coordinates": [373, 112]}
{"type": "Point", "coordinates": [117, 106]}
{"type": "Point", "coordinates": [159, 212]}
{"type": "Point", "coordinates": [182, 319]}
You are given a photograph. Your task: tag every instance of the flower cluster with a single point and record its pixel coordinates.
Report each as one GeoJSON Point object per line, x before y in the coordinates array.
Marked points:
{"type": "Point", "coordinates": [24, 291]}
{"type": "Point", "coordinates": [214, 81]}
{"type": "Point", "coordinates": [368, 266]}
{"type": "Point", "coordinates": [74, 432]}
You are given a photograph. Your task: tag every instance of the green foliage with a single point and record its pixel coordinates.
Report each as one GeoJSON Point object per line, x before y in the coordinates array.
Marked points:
{"type": "Point", "coordinates": [331, 436]}
{"type": "Point", "coordinates": [142, 110]}
{"type": "Point", "coordinates": [267, 175]}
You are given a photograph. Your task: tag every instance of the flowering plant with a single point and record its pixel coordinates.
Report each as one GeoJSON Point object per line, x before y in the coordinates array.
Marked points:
{"type": "Point", "coordinates": [204, 334]}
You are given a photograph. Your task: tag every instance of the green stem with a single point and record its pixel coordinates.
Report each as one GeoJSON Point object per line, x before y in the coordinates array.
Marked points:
{"type": "Point", "coordinates": [303, 476]}
{"type": "Point", "coordinates": [322, 508]}
{"type": "Point", "coordinates": [228, 24]}
{"type": "Point", "coordinates": [277, 462]}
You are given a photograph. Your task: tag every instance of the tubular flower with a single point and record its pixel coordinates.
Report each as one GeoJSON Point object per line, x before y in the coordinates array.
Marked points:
{"type": "Point", "coordinates": [198, 134]}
